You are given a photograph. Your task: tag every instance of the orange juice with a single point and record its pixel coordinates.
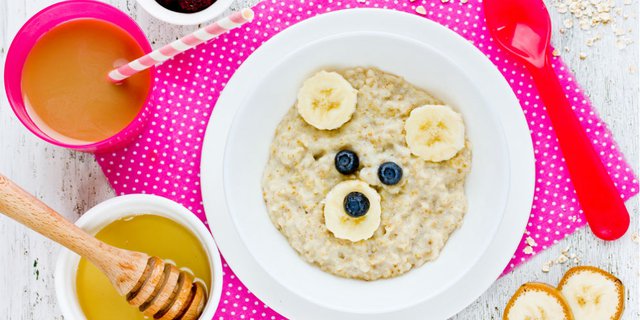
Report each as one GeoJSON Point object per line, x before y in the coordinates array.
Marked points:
{"type": "Point", "coordinates": [65, 85]}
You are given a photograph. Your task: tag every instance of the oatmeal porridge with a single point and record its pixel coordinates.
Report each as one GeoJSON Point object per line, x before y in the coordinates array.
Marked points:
{"type": "Point", "coordinates": [366, 174]}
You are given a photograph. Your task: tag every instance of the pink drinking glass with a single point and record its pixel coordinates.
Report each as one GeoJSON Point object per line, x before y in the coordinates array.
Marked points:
{"type": "Point", "coordinates": [44, 21]}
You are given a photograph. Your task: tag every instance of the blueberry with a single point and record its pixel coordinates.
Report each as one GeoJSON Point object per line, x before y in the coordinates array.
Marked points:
{"type": "Point", "coordinates": [356, 204]}
{"type": "Point", "coordinates": [389, 173]}
{"type": "Point", "coordinates": [347, 162]}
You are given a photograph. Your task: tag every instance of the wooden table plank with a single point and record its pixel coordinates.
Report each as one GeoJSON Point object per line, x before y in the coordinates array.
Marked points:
{"type": "Point", "coordinates": [72, 182]}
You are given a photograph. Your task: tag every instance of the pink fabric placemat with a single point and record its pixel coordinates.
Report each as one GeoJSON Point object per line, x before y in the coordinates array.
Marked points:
{"type": "Point", "coordinates": [165, 159]}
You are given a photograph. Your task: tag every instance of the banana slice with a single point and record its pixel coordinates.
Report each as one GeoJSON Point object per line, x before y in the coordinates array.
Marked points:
{"type": "Point", "coordinates": [434, 133]}
{"type": "Point", "coordinates": [537, 301]}
{"type": "Point", "coordinates": [592, 293]}
{"type": "Point", "coordinates": [345, 226]}
{"type": "Point", "coordinates": [326, 100]}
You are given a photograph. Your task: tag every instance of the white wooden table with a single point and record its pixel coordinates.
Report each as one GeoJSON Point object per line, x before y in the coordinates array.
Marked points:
{"type": "Point", "coordinates": [72, 182]}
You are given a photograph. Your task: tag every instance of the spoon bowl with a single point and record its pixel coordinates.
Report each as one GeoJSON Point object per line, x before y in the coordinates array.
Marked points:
{"type": "Point", "coordinates": [523, 30]}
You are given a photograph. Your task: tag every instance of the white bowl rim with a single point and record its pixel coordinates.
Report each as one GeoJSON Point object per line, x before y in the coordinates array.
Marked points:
{"type": "Point", "coordinates": [120, 207]}
{"type": "Point", "coordinates": [233, 132]}
{"type": "Point", "coordinates": [161, 13]}
{"type": "Point", "coordinates": [420, 29]}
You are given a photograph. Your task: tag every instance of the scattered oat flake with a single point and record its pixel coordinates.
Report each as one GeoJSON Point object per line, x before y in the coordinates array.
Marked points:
{"type": "Point", "coordinates": [592, 14]}
{"type": "Point", "coordinates": [562, 259]}
{"type": "Point", "coordinates": [582, 55]}
{"type": "Point", "coordinates": [528, 250]}
{"type": "Point", "coordinates": [546, 268]}
{"type": "Point", "coordinates": [421, 10]}
{"type": "Point", "coordinates": [635, 238]}
{"type": "Point", "coordinates": [592, 40]}
{"type": "Point", "coordinates": [568, 23]}
{"type": "Point", "coordinates": [555, 53]}
{"type": "Point", "coordinates": [584, 24]}
{"type": "Point", "coordinates": [463, 1]}
{"type": "Point", "coordinates": [561, 7]}
{"type": "Point", "coordinates": [530, 241]}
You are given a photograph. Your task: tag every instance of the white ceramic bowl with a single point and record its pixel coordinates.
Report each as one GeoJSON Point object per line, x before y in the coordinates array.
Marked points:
{"type": "Point", "coordinates": [125, 206]}
{"type": "Point", "coordinates": [499, 187]}
{"type": "Point", "coordinates": [166, 15]}
{"type": "Point", "coordinates": [251, 132]}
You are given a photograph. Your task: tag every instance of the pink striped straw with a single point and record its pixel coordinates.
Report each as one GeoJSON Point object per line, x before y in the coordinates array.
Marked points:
{"type": "Point", "coordinates": [187, 42]}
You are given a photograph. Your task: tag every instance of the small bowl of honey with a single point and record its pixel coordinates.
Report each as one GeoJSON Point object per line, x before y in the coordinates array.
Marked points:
{"type": "Point", "coordinates": [146, 223]}
{"type": "Point", "coordinates": [56, 76]}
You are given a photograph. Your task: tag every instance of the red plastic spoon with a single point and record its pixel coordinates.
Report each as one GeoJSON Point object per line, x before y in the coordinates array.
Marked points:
{"type": "Point", "coordinates": [523, 27]}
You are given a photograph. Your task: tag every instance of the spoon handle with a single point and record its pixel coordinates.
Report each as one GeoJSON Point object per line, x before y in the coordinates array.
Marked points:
{"type": "Point", "coordinates": [33, 213]}
{"type": "Point", "coordinates": [600, 200]}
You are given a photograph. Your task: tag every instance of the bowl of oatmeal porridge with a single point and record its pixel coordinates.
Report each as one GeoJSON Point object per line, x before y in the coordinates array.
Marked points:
{"type": "Point", "coordinates": [433, 227]}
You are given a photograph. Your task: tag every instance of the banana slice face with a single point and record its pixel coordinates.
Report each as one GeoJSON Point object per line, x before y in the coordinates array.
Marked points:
{"type": "Point", "coordinates": [593, 293]}
{"type": "Point", "coordinates": [326, 100]}
{"type": "Point", "coordinates": [341, 224]}
{"type": "Point", "coordinates": [537, 301]}
{"type": "Point", "coordinates": [434, 132]}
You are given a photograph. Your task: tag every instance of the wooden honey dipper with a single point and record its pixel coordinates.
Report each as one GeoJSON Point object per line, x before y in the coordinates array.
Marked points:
{"type": "Point", "coordinates": [159, 290]}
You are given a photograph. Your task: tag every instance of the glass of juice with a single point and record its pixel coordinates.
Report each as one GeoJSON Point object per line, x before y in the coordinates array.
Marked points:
{"type": "Point", "coordinates": [56, 76]}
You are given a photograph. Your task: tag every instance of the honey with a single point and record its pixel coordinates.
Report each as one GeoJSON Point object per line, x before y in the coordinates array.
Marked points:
{"type": "Point", "coordinates": [65, 86]}
{"type": "Point", "coordinates": [151, 234]}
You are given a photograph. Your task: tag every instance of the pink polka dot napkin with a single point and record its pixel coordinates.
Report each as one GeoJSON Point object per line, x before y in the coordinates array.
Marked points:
{"type": "Point", "coordinates": [165, 159]}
